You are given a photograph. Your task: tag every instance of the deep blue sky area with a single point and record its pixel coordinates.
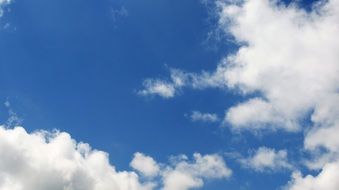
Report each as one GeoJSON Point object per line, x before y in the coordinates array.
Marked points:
{"type": "Point", "coordinates": [76, 66]}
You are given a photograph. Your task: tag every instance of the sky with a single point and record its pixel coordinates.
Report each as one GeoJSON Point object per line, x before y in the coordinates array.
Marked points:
{"type": "Point", "coordinates": [169, 95]}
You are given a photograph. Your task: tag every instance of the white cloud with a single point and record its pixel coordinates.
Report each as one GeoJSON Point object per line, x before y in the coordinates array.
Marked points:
{"type": "Point", "coordinates": [180, 79]}
{"type": "Point", "coordinates": [326, 120]}
{"type": "Point", "coordinates": [145, 165]}
{"type": "Point", "coordinates": [163, 88]}
{"type": "Point", "coordinates": [157, 87]}
{"type": "Point", "coordinates": [184, 175]}
{"type": "Point", "coordinates": [287, 55]}
{"type": "Point", "coordinates": [3, 3]}
{"type": "Point", "coordinates": [267, 160]}
{"type": "Point", "coordinates": [257, 113]}
{"type": "Point", "coordinates": [326, 179]}
{"type": "Point", "coordinates": [54, 161]}
{"type": "Point", "coordinates": [288, 58]}
{"type": "Point", "coordinates": [205, 117]}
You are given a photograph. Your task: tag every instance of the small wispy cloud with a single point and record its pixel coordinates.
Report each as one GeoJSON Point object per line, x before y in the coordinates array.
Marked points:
{"type": "Point", "coordinates": [158, 87]}
{"type": "Point", "coordinates": [13, 118]}
{"type": "Point", "coordinates": [165, 88]}
{"type": "Point", "coordinates": [3, 3]}
{"type": "Point", "coordinates": [118, 13]}
{"type": "Point", "coordinates": [179, 79]}
{"type": "Point", "coordinates": [204, 117]}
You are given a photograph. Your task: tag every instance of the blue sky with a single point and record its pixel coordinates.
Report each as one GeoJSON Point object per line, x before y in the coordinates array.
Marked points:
{"type": "Point", "coordinates": [80, 66]}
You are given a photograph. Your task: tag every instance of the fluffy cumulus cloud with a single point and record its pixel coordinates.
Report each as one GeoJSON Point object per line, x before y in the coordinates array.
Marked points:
{"type": "Point", "coordinates": [267, 160]}
{"type": "Point", "coordinates": [205, 117]}
{"type": "Point", "coordinates": [44, 160]}
{"type": "Point", "coordinates": [290, 57]}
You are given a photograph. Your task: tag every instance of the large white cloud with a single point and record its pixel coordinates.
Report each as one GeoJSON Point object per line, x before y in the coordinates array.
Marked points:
{"type": "Point", "coordinates": [54, 161]}
{"type": "Point", "coordinates": [289, 59]}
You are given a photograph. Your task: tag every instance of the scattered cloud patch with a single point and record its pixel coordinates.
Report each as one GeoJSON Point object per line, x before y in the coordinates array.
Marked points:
{"type": "Point", "coordinates": [267, 160]}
